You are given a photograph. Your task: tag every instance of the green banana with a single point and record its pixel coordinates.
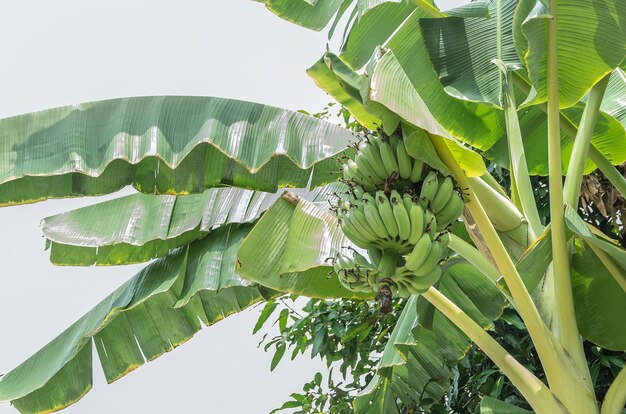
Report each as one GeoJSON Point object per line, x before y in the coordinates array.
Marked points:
{"type": "Point", "coordinates": [416, 216]}
{"type": "Point", "coordinates": [429, 189]}
{"type": "Point", "coordinates": [416, 171]}
{"type": "Point", "coordinates": [431, 223]}
{"type": "Point", "coordinates": [388, 156]}
{"type": "Point", "coordinates": [371, 152]}
{"type": "Point", "coordinates": [386, 213]}
{"type": "Point", "coordinates": [401, 215]}
{"type": "Point", "coordinates": [404, 161]}
{"type": "Point", "coordinates": [451, 212]}
{"type": "Point", "coordinates": [422, 284]}
{"type": "Point", "coordinates": [416, 258]}
{"type": "Point", "coordinates": [444, 192]}
{"type": "Point", "coordinates": [373, 218]}
{"type": "Point", "coordinates": [407, 200]}
{"type": "Point", "coordinates": [431, 261]}
{"type": "Point", "coordinates": [364, 166]}
{"type": "Point", "coordinates": [355, 227]}
{"type": "Point", "coordinates": [359, 217]}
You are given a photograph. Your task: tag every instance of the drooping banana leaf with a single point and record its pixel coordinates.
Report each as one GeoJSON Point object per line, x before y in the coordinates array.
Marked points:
{"type": "Point", "coordinates": [289, 250]}
{"type": "Point", "coordinates": [164, 145]}
{"type": "Point", "coordinates": [391, 88]}
{"type": "Point", "coordinates": [417, 361]}
{"type": "Point", "coordinates": [313, 14]}
{"type": "Point", "coordinates": [155, 311]}
{"type": "Point", "coordinates": [462, 51]}
{"type": "Point", "coordinates": [591, 36]}
{"type": "Point", "coordinates": [373, 29]}
{"type": "Point", "coordinates": [140, 227]}
{"type": "Point", "coordinates": [343, 84]}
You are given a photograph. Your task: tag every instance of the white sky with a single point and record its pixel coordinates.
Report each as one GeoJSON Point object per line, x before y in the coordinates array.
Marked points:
{"type": "Point", "coordinates": [71, 51]}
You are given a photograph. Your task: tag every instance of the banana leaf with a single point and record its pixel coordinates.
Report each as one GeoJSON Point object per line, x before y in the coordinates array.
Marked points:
{"type": "Point", "coordinates": [490, 405]}
{"type": "Point", "coordinates": [417, 361]}
{"type": "Point", "coordinates": [591, 36]}
{"type": "Point", "coordinates": [155, 311]}
{"type": "Point", "coordinates": [138, 228]}
{"type": "Point", "coordinates": [313, 14]}
{"type": "Point", "coordinates": [163, 145]}
{"type": "Point", "coordinates": [289, 250]}
{"type": "Point", "coordinates": [391, 88]}
{"type": "Point", "coordinates": [343, 84]}
{"type": "Point", "coordinates": [462, 51]}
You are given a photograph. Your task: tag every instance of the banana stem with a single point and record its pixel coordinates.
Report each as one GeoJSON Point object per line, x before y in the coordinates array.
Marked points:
{"type": "Point", "coordinates": [580, 152]}
{"type": "Point", "coordinates": [615, 398]}
{"type": "Point", "coordinates": [565, 327]}
{"type": "Point", "coordinates": [540, 335]}
{"type": "Point", "coordinates": [472, 255]}
{"type": "Point", "coordinates": [536, 393]}
{"type": "Point", "coordinates": [519, 166]}
{"type": "Point", "coordinates": [608, 169]}
{"type": "Point", "coordinates": [387, 265]}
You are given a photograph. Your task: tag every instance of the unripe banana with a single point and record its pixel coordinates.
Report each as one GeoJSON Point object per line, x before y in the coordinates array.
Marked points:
{"type": "Point", "coordinates": [422, 284]}
{"type": "Point", "coordinates": [408, 201]}
{"type": "Point", "coordinates": [429, 189]}
{"type": "Point", "coordinates": [451, 212]}
{"type": "Point", "coordinates": [416, 216]}
{"type": "Point", "coordinates": [372, 215]}
{"type": "Point", "coordinates": [358, 215]}
{"type": "Point", "coordinates": [386, 213]}
{"type": "Point", "coordinates": [404, 161]}
{"type": "Point", "coordinates": [388, 155]}
{"type": "Point", "coordinates": [401, 215]}
{"type": "Point", "coordinates": [444, 192]}
{"type": "Point", "coordinates": [356, 228]}
{"type": "Point", "coordinates": [416, 258]}
{"type": "Point", "coordinates": [372, 154]}
{"type": "Point", "coordinates": [416, 171]}
{"type": "Point", "coordinates": [366, 169]}
{"type": "Point", "coordinates": [431, 261]}
{"type": "Point", "coordinates": [431, 223]}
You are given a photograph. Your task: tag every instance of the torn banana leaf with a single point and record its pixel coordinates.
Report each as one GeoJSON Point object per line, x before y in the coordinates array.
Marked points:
{"type": "Point", "coordinates": [163, 145]}
{"type": "Point", "coordinates": [289, 250]}
{"type": "Point", "coordinates": [158, 309]}
{"type": "Point", "coordinates": [139, 227]}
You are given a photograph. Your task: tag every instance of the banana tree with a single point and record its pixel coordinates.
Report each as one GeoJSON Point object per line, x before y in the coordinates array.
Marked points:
{"type": "Point", "coordinates": [439, 93]}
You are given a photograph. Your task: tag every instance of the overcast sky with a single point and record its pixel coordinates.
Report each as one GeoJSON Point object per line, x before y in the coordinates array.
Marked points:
{"type": "Point", "coordinates": [70, 51]}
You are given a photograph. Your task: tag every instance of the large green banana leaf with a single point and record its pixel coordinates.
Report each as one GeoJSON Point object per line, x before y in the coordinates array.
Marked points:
{"type": "Point", "coordinates": [155, 311]}
{"type": "Point", "coordinates": [462, 51]}
{"type": "Point", "coordinates": [463, 60]}
{"type": "Point", "coordinates": [417, 361]}
{"type": "Point", "coordinates": [599, 300]}
{"type": "Point", "coordinates": [141, 227]}
{"type": "Point", "coordinates": [391, 88]}
{"type": "Point", "coordinates": [290, 248]}
{"type": "Point", "coordinates": [166, 145]}
{"type": "Point", "coordinates": [591, 36]}
{"type": "Point", "coordinates": [613, 101]}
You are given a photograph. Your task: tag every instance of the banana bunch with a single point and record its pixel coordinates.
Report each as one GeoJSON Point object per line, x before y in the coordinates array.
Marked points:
{"type": "Point", "coordinates": [377, 159]}
{"type": "Point", "coordinates": [439, 195]}
{"type": "Point", "coordinates": [356, 273]}
{"type": "Point", "coordinates": [396, 222]}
